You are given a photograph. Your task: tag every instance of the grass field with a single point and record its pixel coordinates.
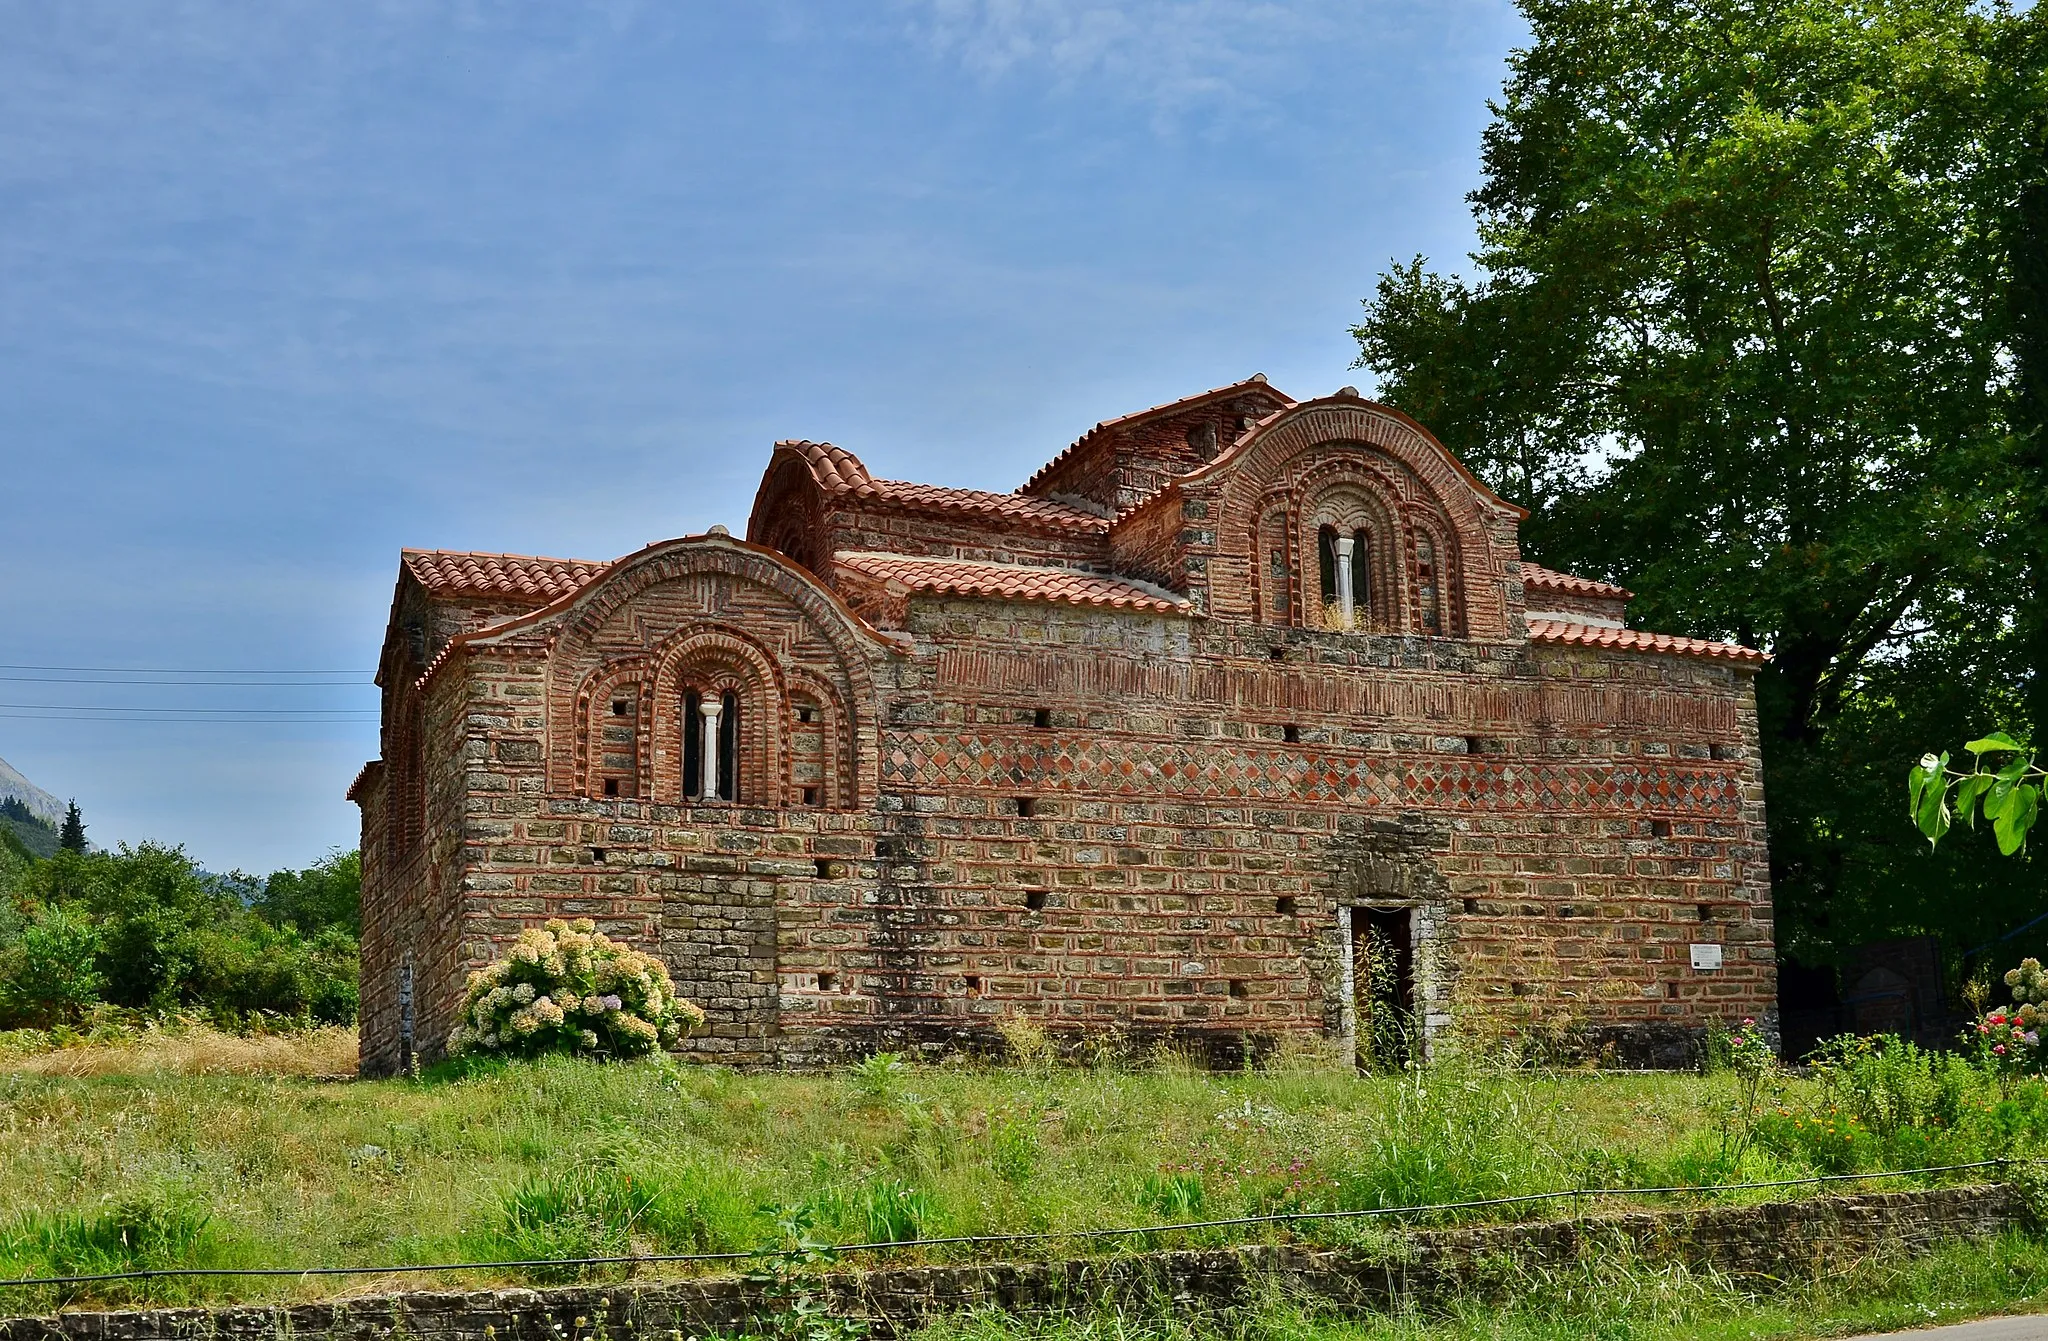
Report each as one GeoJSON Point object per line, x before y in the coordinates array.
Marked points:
{"type": "Point", "coordinates": [171, 1151]}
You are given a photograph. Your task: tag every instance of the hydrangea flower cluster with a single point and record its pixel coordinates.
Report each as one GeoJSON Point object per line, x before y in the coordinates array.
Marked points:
{"type": "Point", "coordinates": [567, 987]}
{"type": "Point", "coordinates": [2009, 1041]}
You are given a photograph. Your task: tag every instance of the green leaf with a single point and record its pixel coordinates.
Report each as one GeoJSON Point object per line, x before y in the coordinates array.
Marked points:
{"type": "Point", "coordinates": [1967, 793]}
{"type": "Point", "coordinates": [1917, 779]}
{"type": "Point", "coordinates": [1933, 816]}
{"type": "Point", "coordinates": [2018, 816]}
{"type": "Point", "coordinates": [1997, 740]}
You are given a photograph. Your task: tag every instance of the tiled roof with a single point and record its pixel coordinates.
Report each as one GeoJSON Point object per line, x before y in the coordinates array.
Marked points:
{"type": "Point", "coordinates": [455, 573]}
{"type": "Point", "coordinates": [363, 776]}
{"type": "Point", "coordinates": [1256, 382]}
{"type": "Point", "coordinates": [1539, 578]}
{"type": "Point", "coordinates": [1636, 640]}
{"type": "Point", "coordinates": [1016, 582]}
{"type": "Point", "coordinates": [840, 472]}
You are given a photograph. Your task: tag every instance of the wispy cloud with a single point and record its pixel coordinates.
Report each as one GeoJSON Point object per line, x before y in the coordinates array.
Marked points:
{"type": "Point", "coordinates": [1173, 55]}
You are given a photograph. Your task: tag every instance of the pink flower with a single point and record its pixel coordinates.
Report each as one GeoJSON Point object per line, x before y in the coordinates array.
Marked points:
{"type": "Point", "coordinates": [1998, 1048]}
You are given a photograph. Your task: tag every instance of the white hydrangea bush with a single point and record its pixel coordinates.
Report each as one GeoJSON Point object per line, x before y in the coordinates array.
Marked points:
{"type": "Point", "coordinates": [567, 987]}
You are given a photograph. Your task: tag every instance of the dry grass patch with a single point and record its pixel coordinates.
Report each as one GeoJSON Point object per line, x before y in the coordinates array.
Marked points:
{"type": "Point", "coordinates": [193, 1050]}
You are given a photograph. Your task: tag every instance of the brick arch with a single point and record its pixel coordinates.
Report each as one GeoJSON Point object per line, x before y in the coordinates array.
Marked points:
{"type": "Point", "coordinates": [1351, 493]}
{"type": "Point", "coordinates": [598, 689]}
{"type": "Point", "coordinates": [789, 513]}
{"type": "Point", "coordinates": [811, 615]}
{"type": "Point", "coordinates": [715, 659]}
{"type": "Point", "coordinates": [842, 778]}
{"type": "Point", "coordinates": [1475, 524]}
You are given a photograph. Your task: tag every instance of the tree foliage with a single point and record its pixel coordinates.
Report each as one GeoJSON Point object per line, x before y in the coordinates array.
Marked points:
{"type": "Point", "coordinates": [71, 837]}
{"type": "Point", "coordinates": [145, 930]}
{"type": "Point", "coordinates": [1745, 335]}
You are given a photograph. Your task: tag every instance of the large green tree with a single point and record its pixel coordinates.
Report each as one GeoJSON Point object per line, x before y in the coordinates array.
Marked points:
{"type": "Point", "coordinates": [1743, 333]}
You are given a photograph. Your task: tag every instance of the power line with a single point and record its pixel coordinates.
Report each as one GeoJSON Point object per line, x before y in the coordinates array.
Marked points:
{"type": "Point", "coordinates": [196, 684]}
{"type": "Point", "coordinates": [1284, 1217]}
{"type": "Point", "coordinates": [173, 707]}
{"type": "Point", "coordinates": [187, 670]}
{"type": "Point", "coordinates": [192, 721]}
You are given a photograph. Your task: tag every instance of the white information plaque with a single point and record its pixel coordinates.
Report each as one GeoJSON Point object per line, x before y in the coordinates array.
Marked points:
{"type": "Point", "coordinates": [1706, 956]}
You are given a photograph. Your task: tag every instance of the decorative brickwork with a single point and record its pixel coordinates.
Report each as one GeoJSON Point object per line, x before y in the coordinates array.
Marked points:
{"type": "Point", "coordinates": [1106, 753]}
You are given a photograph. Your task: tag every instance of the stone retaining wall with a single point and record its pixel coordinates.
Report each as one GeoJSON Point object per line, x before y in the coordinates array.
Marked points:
{"type": "Point", "coordinates": [1779, 1240]}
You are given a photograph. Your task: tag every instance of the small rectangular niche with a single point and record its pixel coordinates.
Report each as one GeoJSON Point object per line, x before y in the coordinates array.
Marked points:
{"type": "Point", "coordinates": [1706, 911]}
{"type": "Point", "coordinates": [973, 981]}
{"type": "Point", "coordinates": [1277, 652]}
{"type": "Point", "coordinates": [1034, 900]}
{"type": "Point", "coordinates": [1041, 718]}
{"type": "Point", "coordinates": [1471, 905]}
{"type": "Point", "coordinates": [1475, 745]}
{"type": "Point", "coordinates": [1291, 734]}
{"type": "Point", "coordinates": [1027, 807]}
{"type": "Point", "coordinates": [611, 786]}
{"type": "Point", "coordinates": [828, 980]}
{"type": "Point", "coordinates": [827, 868]}
{"type": "Point", "coordinates": [1239, 989]}
{"type": "Point", "coordinates": [884, 849]}
{"type": "Point", "coordinates": [1716, 750]}
{"type": "Point", "coordinates": [1660, 828]}
{"type": "Point", "coordinates": [810, 795]}
{"type": "Point", "coordinates": [1284, 905]}
{"type": "Point", "coordinates": [620, 707]}
{"type": "Point", "coordinates": [1671, 991]}
{"type": "Point", "coordinates": [805, 713]}
{"type": "Point", "coordinates": [597, 856]}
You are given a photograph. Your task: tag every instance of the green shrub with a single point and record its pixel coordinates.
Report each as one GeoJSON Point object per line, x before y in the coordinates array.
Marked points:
{"type": "Point", "coordinates": [50, 972]}
{"type": "Point", "coordinates": [567, 987]}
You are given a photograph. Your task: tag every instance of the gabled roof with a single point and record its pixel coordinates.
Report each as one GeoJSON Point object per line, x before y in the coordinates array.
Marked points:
{"type": "Point", "coordinates": [1003, 581]}
{"type": "Point", "coordinates": [518, 576]}
{"type": "Point", "coordinates": [1256, 384]}
{"type": "Point", "coordinates": [1636, 640]}
{"type": "Point", "coordinates": [716, 537]}
{"type": "Point", "coordinates": [1538, 578]}
{"type": "Point", "coordinates": [839, 473]}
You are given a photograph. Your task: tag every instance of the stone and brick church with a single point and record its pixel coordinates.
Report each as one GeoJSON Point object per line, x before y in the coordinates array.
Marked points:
{"type": "Point", "coordinates": [1233, 694]}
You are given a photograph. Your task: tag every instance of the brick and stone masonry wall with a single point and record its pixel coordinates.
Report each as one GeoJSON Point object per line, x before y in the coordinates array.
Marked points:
{"type": "Point", "coordinates": [1426, 1269]}
{"type": "Point", "coordinates": [1564, 822]}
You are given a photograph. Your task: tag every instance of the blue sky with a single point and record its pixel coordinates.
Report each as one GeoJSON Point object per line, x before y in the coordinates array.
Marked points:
{"type": "Point", "coordinates": [284, 287]}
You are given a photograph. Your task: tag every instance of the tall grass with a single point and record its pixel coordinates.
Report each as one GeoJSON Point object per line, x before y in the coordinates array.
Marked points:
{"type": "Point", "coordinates": [558, 1157]}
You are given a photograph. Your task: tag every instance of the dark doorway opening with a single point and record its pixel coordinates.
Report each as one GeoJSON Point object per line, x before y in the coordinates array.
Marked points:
{"type": "Point", "coordinates": [1383, 980]}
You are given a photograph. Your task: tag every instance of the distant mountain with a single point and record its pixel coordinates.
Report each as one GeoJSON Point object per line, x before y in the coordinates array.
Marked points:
{"type": "Point", "coordinates": [39, 802]}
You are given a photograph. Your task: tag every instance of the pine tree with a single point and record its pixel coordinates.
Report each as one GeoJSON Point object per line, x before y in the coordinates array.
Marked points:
{"type": "Point", "coordinates": [72, 836]}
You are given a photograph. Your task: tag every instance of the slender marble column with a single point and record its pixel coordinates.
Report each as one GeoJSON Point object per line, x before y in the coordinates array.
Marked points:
{"type": "Point", "coordinates": [1345, 614]}
{"type": "Point", "coordinates": [711, 707]}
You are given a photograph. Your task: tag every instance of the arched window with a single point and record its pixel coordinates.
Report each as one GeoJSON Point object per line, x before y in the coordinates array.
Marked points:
{"type": "Point", "coordinates": [1426, 585]}
{"type": "Point", "coordinates": [1334, 564]}
{"type": "Point", "coordinates": [711, 745]}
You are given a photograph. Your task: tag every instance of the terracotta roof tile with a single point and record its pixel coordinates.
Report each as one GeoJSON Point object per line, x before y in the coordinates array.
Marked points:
{"type": "Point", "coordinates": [1636, 640]}
{"type": "Point", "coordinates": [456, 573]}
{"type": "Point", "coordinates": [1256, 382]}
{"type": "Point", "coordinates": [1539, 578]}
{"type": "Point", "coordinates": [363, 776]}
{"type": "Point", "coordinates": [961, 577]}
{"type": "Point", "coordinates": [839, 472]}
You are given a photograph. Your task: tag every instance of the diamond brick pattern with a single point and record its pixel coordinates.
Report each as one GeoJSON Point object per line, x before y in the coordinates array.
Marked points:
{"type": "Point", "coordinates": [1095, 766]}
